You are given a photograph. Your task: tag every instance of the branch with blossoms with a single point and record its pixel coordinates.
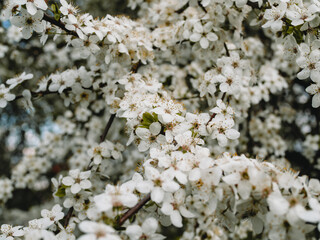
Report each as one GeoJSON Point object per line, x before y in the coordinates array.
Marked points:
{"type": "Point", "coordinates": [58, 24]}
{"type": "Point", "coordinates": [136, 70]}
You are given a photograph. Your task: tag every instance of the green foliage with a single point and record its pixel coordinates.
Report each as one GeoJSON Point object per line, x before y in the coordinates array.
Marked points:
{"type": "Point", "coordinates": [295, 31]}
{"type": "Point", "coordinates": [148, 119]}
{"type": "Point", "coordinates": [61, 191]}
{"type": "Point", "coordinates": [56, 11]}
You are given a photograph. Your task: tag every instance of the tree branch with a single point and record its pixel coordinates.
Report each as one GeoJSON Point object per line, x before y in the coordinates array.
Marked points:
{"type": "Point", "coordinates": [102, 138]}
{"type": "Point", "coordinates": [226, 48]}
{"type": "Point", "coordinates": [68, 217]}
{"type": "Point", "coordinates": [214, 114]}
{"type": "Point", "coordinates": [107, 128]}
{"type": "Point", "coordinates": [134, 210]}
{"type": "Point", "coordinates": [59, 24]}
{"type": "Point", "coordinates": [183, 8]}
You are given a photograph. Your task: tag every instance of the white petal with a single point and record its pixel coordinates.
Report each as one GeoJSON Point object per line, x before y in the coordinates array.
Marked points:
{"type": "Point", "coordinates": [150, 226]}
{"type": "Point", "coordinates": [232, 134]}
{"type": "Point", "coordinates": [122, 48]}
{"type": "Point", "coordinates": [103, 202]}
{"type": "Point", "coordinates": [155, 128]}
{"type": "Point", "coordinates": [194, 174]}
{"type": "Point", "coordinates": [181, 177]}
{"type": "Point", "coordinates": [129, 200]}
{"type": "Point", "coordinates": [167, 208]}
{"type": "Point", "coordinates": [278, 205]}
{"type": "Point", "coordinates": [143, 146]}
{"type": "Point", "coordinates": [305, 73]}
{"type": "Point", "coordinates": [27, 32]}
{"type": "Point", "coordinates": [316, 100]}
{"type": "Point", "coordinates": [212, 36]}
{"type": "Point", "coordinates": [85, 184]}
{"type": "Point", "coordinates": [195, 37]}
{"type": "Point", "coordinates": [244, 189]}
{"type": "Point", "coordinates": [166, 118]}
{"type": "Point", "coordinates": [204, 43]}
{"type": "Point", "coordinates": [68, 181]}
{"type": "Point", "coordinates": [224, 87]}
{"type": "Point", "coordinates": [315, 76]}
{"type": "Point", "coordinates": [307, 215]}
{"type": "Point", "coordinates": [144, 187]}
{"type": "Point", "coordinates": [41, 4]}
{"type": "Point", "coordinates": [31, 8]}
{"type": "Point", "coordinates": [3, 103]}
{"type": "Point", "coordinates": [85, 175]}
{"type": "Point", "coordinates": [157, 194]}
{"type": "Point", "coordinates": [185, 212]}
{"type": "Point", "coordinates": [143, 133]}
{"type": "Point", "coordinates": [170, 186]}
{"type": "Point", "coordinates": [134, 231]}
{"type": "Point", "coordinates": [10, 97]}
{"type": "Point", "coordinates": [312, 89]}
{"type": "Point", "coordinates": [222, 140]}
{"type": "Point", "coordinates": [75, 188]}
{"type": "Point", "coordinates": [176, 219]}
{"type": "Point", "coordinates": [87, 226]}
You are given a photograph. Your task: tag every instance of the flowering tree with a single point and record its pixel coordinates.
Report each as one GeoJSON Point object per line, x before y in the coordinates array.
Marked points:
{"type": "Point", "coordinates": [181, 124]}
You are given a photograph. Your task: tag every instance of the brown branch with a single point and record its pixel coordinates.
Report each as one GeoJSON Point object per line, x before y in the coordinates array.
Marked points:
{"type": "Point", "coordinates": [135, 66]}
{"type": "Point", "coordinates": [202, 7]}
{"type": "Point", "coordinates": [254, 5]}
{"type": "Point", "coordinates": [183, 8]}
{"type": "Point", "coordinates": [102, 138]}
{"type": "Point", "coordinates": [68, 217]}
{"type": "Point", "coordinates": [59, 24]}
{"type": "Point", "coordinates": [187, 98]}
{"type": "Point", "coordinates": [214, 114]}
{"type": "Point", "coordinates": [134, 210]}
{"type": "Point", "coordinates": [107, 128]}
{"type": "Point", "coordinates": [226, 48]}
{"type": "Point", "coordinates": [37, 94]}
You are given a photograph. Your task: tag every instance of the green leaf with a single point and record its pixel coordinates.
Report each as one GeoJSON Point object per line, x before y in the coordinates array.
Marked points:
{"type": "Point", "coordinates": [61, 191]}
{"type": "Point", "coordinates": [155, 117]}
{"type": "Point", "coordinates": [57, 16]}
{"type": "Point", "coordinates": [147, 118]}
{"type": "Point", "coordinates": [53, 7]}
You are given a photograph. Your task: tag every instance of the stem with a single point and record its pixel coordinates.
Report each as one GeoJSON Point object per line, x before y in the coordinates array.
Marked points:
{"type": "Point", "coordinates": [68, 217]}
{"type": "Point", "coordinates": [227, 50]}
{"type": "Point", "coordinates": [102, 138]}
{"type": "Point", "coordinates": [254, 5]}
{"type": "Point", "coordinates": [187, 98]}
{"type": "Point", "coordinates": [37, 94]}
{"type": "Point", "coordinates": [134, 210]}
{"type": "Point", "coordinates": [58, 24]}
{"type": "Point", "coordinates": [183, 8]}
{"type": "Point", "coordinates": [107, 128]}
{"type": "Point", "coordinates": [214, 114]}
{"type": "Point", "coordinates": [202, 7]}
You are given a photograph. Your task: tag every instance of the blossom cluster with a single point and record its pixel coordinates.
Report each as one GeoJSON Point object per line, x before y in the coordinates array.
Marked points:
{"type": "Point", "coordinates": [146, 116]}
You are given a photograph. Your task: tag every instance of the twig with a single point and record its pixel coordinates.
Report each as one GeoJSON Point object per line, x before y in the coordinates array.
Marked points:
{"type": "Point", "coordinates": [254, 5]}
{"type": "Point", "coordinates": [102, 138]}
{"type": "Point", "coordinates": [68, 217]}
{"type": "Point", "coordinates": [202, 7]}
{"type": "Point", "coordinates": [58, 24]}
{"type": "Point", "coordinates": [214, 114]}
{"type": "Point", "coordinates": [183, 8]}
{"type": "Point", "coordinates": [187, 98]}
{"type": "Point", "coordinates": [227, 50]}
{"type": "Point", "coordinates": [37, 94]}
{"type": "Point", "coordinates": [134, 210]}
{"type": "Point", "coordinates": [136, 66]}
{"type": "Point", "coordinates": [107, 128]}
